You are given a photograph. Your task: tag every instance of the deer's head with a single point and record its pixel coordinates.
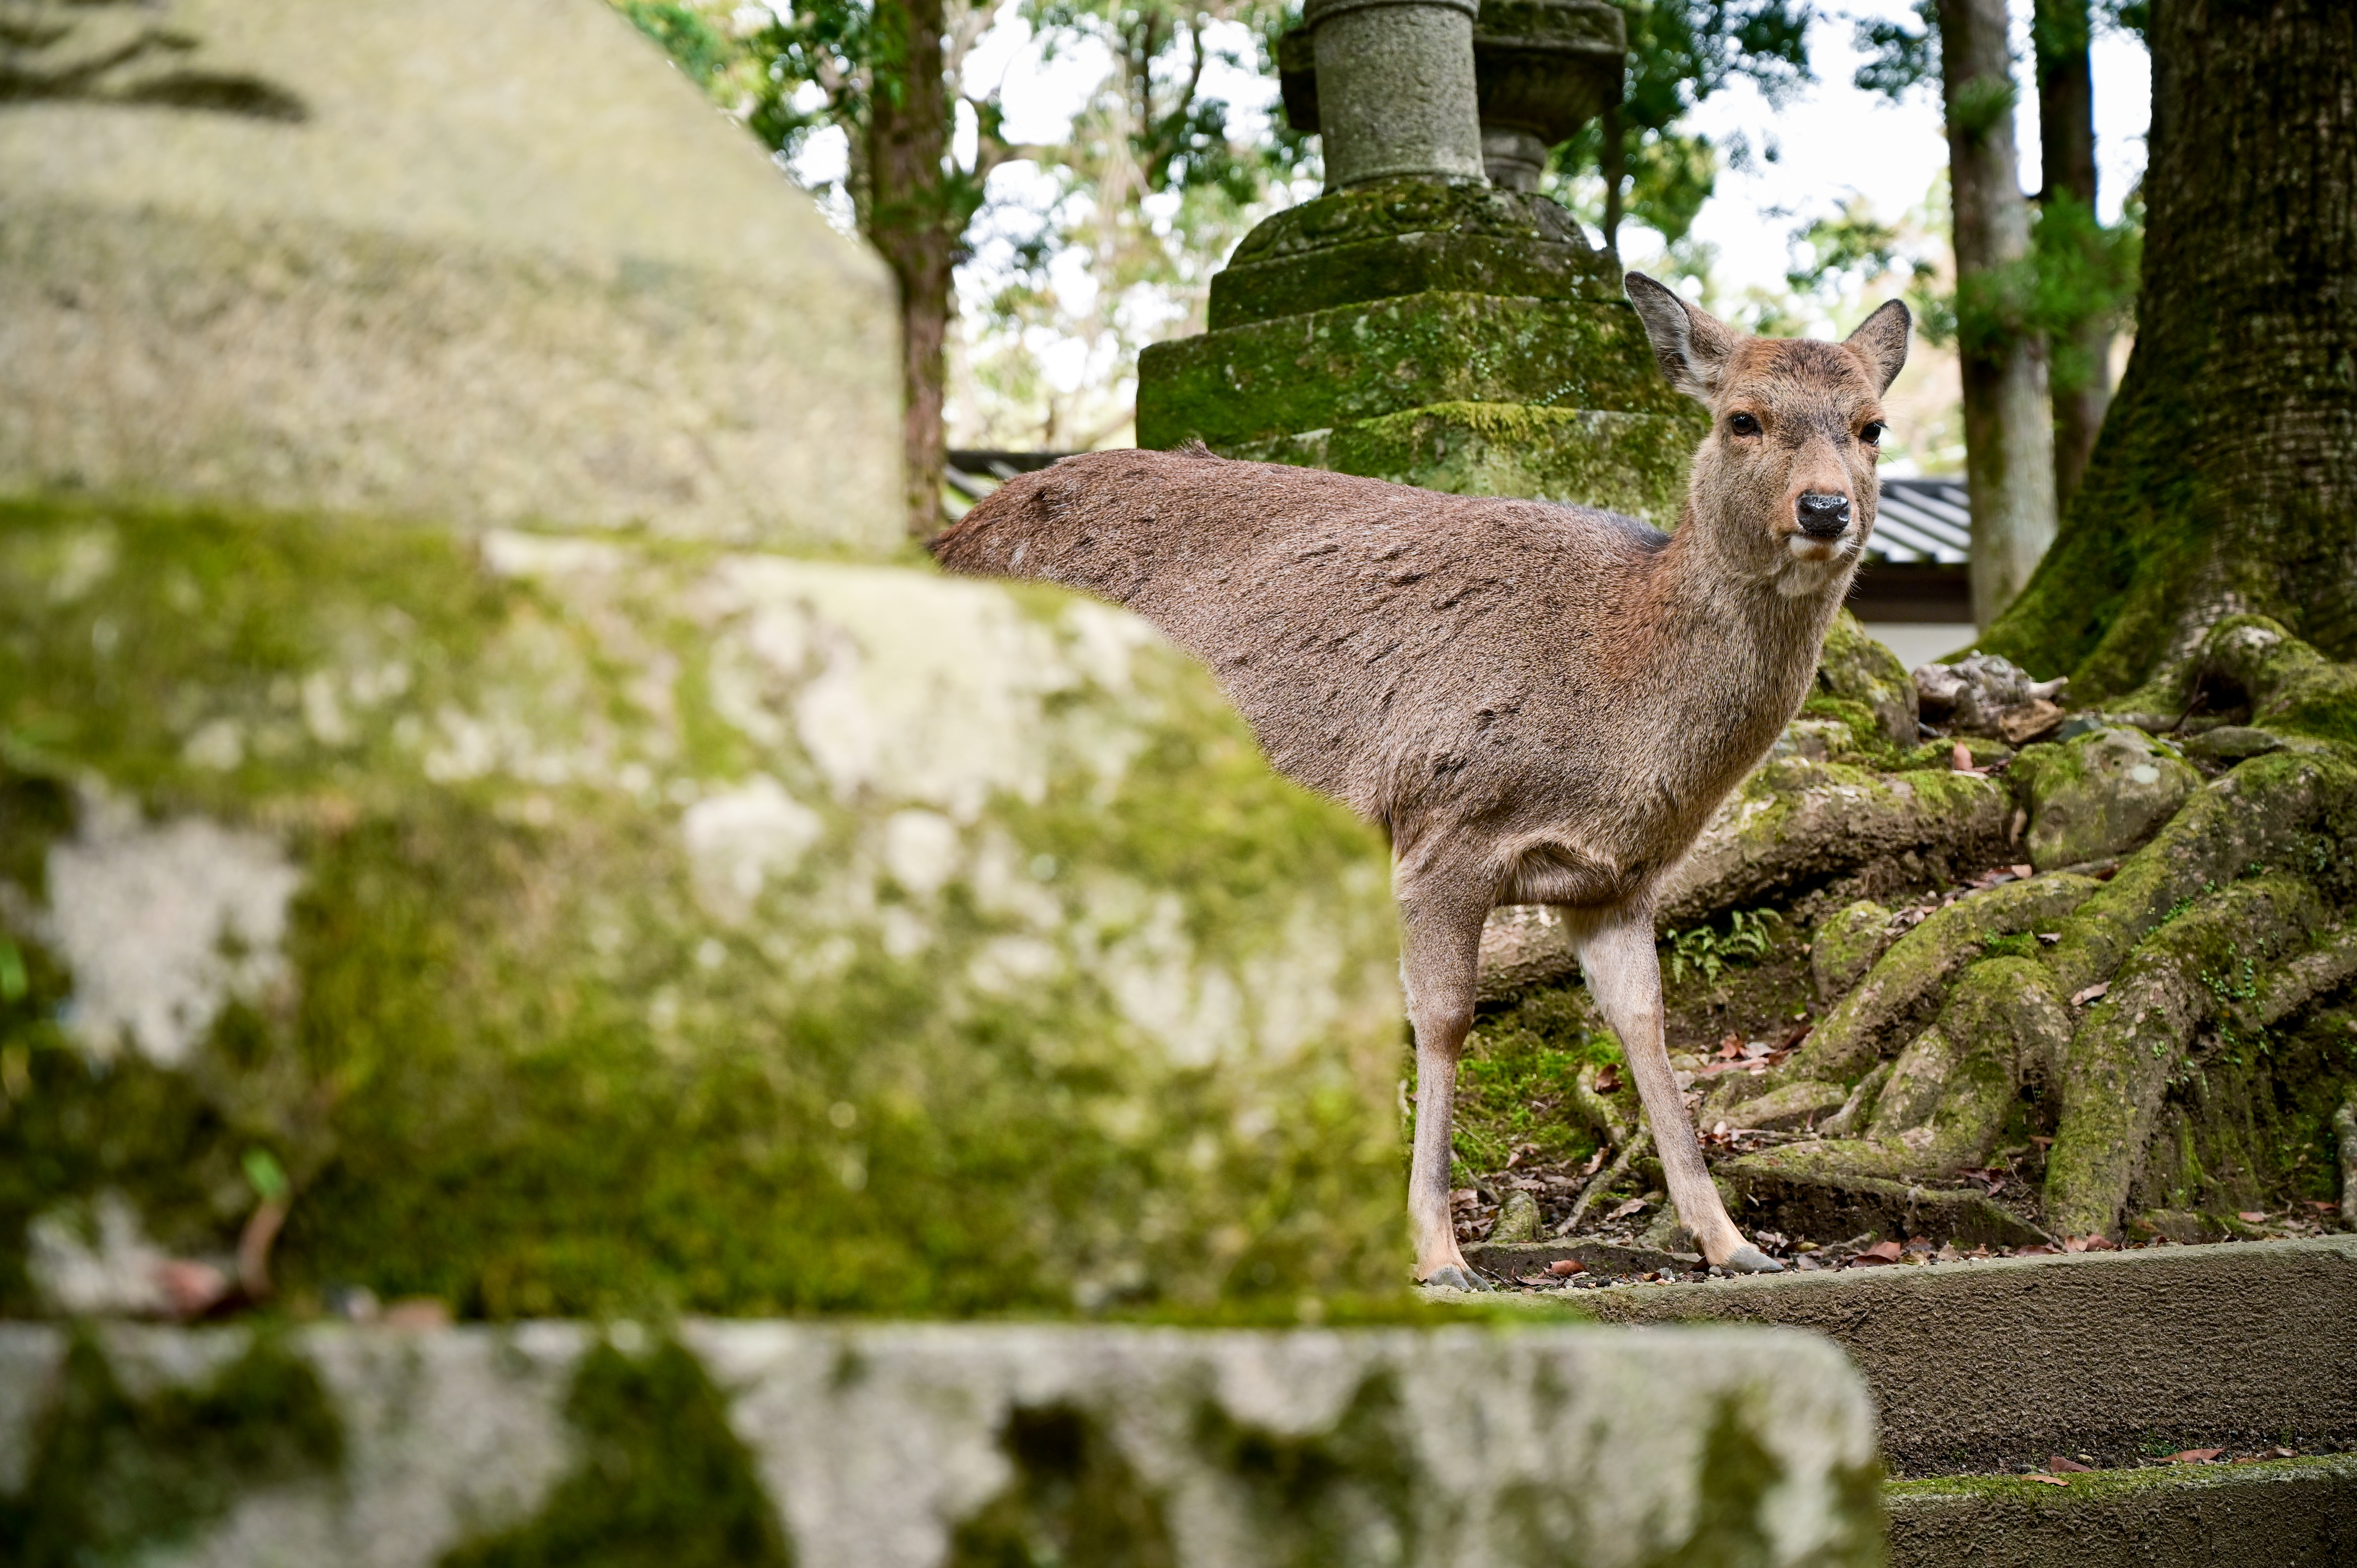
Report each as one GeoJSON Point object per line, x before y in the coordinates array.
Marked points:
{"type": "Point", "coordinates": [1787, 473]}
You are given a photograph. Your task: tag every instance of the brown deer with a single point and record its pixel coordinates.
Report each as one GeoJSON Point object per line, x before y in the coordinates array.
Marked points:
{"type": "Point", "coordinates": [1539, 703]}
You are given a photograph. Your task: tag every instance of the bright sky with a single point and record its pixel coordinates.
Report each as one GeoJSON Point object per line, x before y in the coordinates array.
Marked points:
{"type": "Point", "coordinates": [1831, 140]}
{"type": "Point", "coordinates": [1835, 140]}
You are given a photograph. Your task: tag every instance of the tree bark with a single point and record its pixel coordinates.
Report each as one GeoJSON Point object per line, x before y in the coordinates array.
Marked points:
{"type": "Point", "coordinates": [2008, 429]}
{"type": "Point", "coordinates": [2225, 477]}
{"type": "Point", "coordinates": [1613, 161]}
{"type": "Point", "coordinates": [2066, 135]}
{"type": "Point", "coordinates": [910, 222]}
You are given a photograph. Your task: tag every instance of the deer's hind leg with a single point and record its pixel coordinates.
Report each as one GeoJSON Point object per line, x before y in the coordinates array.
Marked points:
{"type": "Point", "coordinates": [1440, 955]}
{"type": "Point", "coordinates": [1624, 978]}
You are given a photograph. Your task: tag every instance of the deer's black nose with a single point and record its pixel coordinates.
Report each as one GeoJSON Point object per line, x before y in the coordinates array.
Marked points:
{"type": "Point", "coordinates": [1823, 516]}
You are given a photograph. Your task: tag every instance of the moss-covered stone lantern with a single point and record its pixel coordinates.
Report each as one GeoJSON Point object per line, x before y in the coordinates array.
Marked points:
{"type": "Point", "coordinates": [1421, 321]}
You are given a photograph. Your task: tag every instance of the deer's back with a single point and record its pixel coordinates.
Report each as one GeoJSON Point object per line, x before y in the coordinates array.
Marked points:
{"type": "Point", "coordinates": [1409, 652]}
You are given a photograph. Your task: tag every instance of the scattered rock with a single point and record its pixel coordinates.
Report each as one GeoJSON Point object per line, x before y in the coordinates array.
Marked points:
{"type": "Point", "coordinates": [2233, 742]}
{"type": "Point", "coordinates": [2099, 795]}
{"type": "Point", "coordinates": [1518, 1219]}
{"type": "Point", "coordinates": [1976, 695]}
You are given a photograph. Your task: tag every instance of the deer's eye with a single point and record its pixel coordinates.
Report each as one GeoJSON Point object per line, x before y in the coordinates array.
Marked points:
{"type": "Point", "coordinates": [1743, 425]}
{"type": "Point", "coordinates": [1872, 434]}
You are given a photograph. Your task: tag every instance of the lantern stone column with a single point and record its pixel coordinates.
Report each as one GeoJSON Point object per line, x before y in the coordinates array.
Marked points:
{"type": "Point", "coordinates": [1396, 93]}
{"type": "Point", "coordinates": [1420, 322]}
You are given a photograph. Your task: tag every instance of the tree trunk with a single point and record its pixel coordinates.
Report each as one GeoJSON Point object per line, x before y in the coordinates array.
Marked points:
{"type": "Point", "coordinates": [1613, 161]}
{"type": "Point", "coordinates": [2066, 134]}
{"type": "Point", "coordinates": [908, 222]}
{"type": "Point", "coordinates": [2225, 479]}
{"type": "Point", "coordinates": [2008, 430]}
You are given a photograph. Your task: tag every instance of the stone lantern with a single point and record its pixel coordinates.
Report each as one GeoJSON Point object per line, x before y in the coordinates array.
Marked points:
{"type": "Point", "coordinates": [1541, 69]}
{"type": "Point", "coordinates": [1423, 320]}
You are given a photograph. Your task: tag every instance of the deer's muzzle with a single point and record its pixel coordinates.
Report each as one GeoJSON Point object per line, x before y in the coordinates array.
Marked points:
{"type": "Point", "coordinates": [1822, 516]}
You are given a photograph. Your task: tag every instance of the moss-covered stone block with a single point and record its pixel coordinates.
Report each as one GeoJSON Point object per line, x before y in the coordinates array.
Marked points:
{"type": "Point", "coordinates": [588, 925]}
{"type": "Point", "coordinates": [975, 1446]}
{"type": "Point", "coordinates": [1334, 366]}
{"type": "Point", "coordinates": [1409, 236]}
{"type": "Point", "coordinates": [503, 263]}
{"type": "Point", "coordinates": [1632, 463]}
{"type": "Point", "coordinates": [2099, 795]}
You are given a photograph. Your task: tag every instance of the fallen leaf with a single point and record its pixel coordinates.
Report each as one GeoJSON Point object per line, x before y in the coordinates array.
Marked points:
{"type": "Point", "coordinates": [1629, 1206]}
{"type": "Point", "coordinates": [1960, 759]}
{"type": "Point", "coordinates": [2023, 872]}
{"type": "Point", "coordinates": [418, 1311]}
{"type": "Point", "coordinates": [193, 1288]}
{"type": "Point", "coordinates": [2252, 1216]}
{"type": "Point", "coordinates": [1731, 1047]}
{"type": "Point", "coordinates": [1594, 1162]}
{"type": "Point", "coordinates": [2050, 938]}
{"type": "Point", "coordinates": [1564, 1268]}
{"type": "Point", "coordinates": [1608, 1080]}
{"type": "Point", "coordinates": [2039, 1250]}
{"type": "Point", "coordinates": [2093, 994]}
{"type": "Point", "coordinates": [2193, 1456]}
{"type": "Point", "coordinates": [2322, 1205]}
{"type": "Point", "coordinates": [2056, 1462]}
{"type": "Point", "coordinates": [1880, 1255]}
{"type": "Point", "coordinates": [2048, 1480]}
{"type": "Point", "coordinates": [2089, 1244]}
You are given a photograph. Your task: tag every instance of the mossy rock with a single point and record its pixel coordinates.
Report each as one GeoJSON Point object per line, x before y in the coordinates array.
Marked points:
{"type": "Point", "coordinates": [2099, 794]}
{"type": "Point", "coordinates": [1631, 463]}
{"type": "Point", "coordinates": [589, 925]}
{"type": "Point", "coordinates": [1330, 368]}
{"type": "Point", "coordinates": [1855, 668]}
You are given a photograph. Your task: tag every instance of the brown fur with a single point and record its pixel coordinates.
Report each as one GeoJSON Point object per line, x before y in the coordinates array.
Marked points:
{"type": "Point", "coordinates": [1539, 703]}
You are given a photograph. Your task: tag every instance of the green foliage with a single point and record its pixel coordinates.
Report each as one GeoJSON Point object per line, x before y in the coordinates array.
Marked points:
{"type": "Point", "coordinates": [1073, 1499]}
{"type": "Point", "coordinates": [1514, 1085]}
{"type": "Point", "coordinates": [116, 1475]}
{"type": "Point", "coordinates": [2078, 271]}
{"type": "Point", "coordinates": [1899, 59]}
{"type": "Point", "coordinates": [1680, 52]}
{"type": "Point", "coordinates": [661, 1482]}
{"type": "Point", "coordinates": [1705, 952]}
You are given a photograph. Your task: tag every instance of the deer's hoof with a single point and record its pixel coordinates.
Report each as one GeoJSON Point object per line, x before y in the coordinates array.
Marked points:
{"type": "Point", "coordinates": [1747, 1260]}
{"type": "Point", "coordinates": [1452, 1276]}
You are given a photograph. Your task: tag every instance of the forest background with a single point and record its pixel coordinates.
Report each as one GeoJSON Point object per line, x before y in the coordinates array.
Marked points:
{"type": "Point", "coordinates": [1785, 163]}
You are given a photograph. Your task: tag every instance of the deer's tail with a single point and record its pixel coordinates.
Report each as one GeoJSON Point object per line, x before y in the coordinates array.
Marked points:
{"type": "Point", "coordinates": [1092, 521]}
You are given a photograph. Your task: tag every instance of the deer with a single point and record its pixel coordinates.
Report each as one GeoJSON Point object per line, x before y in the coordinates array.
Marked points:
{"type": "Point", "coordinates": [1538, 704]}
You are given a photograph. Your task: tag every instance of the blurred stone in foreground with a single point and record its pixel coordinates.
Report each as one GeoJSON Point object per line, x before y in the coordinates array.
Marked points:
{"type": "Point", "coordinates": [427, 259]}
{"type": "Point", "coordinates": [588, 925]}
{"type": "Point", "coordinates": [917, 1446]}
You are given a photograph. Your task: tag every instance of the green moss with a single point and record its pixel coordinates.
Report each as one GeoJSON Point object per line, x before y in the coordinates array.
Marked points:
{"type": "Point", "coordinates": [115, 1476]}
{"type": "Point", "coordinates": [1632, 463]}
{"type": "Point", "coordinates": [661, 1482]}
{"type": "Point", "coordinates": [1862, 682]}
{"type": "Point", "coordinates": [1073, 1499]}
{"type": "Point", "coordinates": [1519, 1078]}
{"type": "Point", "coordinates": [1362, 361]}
{"type": "Point", "coordinates": [1338, 1496]}
{"type": "Point", "coordinates": [523, 1065]}
{"type": "Point", "coordinates": [1409, 236]}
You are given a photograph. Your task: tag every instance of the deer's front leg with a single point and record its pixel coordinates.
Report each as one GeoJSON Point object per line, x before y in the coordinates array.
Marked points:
{"type": "Point", "coordinates": [1440, 951]}
{"type": "Point", "coordinates": [1624, 976]}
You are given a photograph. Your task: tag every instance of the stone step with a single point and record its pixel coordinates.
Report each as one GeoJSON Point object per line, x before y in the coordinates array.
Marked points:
{"type": "Point", "coordinates": [1991, 1365]}
{"type": "Point", "coordinates": [934, 1445]}
{"type": "Point", "coordinates": [2286, 1513]}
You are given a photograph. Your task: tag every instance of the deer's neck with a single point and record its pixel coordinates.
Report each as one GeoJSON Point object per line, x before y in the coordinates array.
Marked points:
{"type": "Point", "coordinates": [1737, 632]}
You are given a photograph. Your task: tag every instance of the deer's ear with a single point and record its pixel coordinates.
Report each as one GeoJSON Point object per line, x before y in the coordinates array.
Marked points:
{"type": "Point", "coordinates": [1692, 345]}
{"type": "Point", "coordinates": [1881, 341]}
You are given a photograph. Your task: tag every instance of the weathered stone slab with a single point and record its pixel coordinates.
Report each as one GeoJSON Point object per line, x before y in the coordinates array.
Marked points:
{"type": "Point", "coordinates": [1360, 361]}
{"type": "Point", "coordinates": [586, 924]}
{"type": "Point", "coordinates": [1992, 1364]}
{"type": "Point", "coordinates": [2301, 1513]}
{"type": "Point", "coordinates": [912, 1446]}
{"type": "Point", "coordinates": [427, 259]}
